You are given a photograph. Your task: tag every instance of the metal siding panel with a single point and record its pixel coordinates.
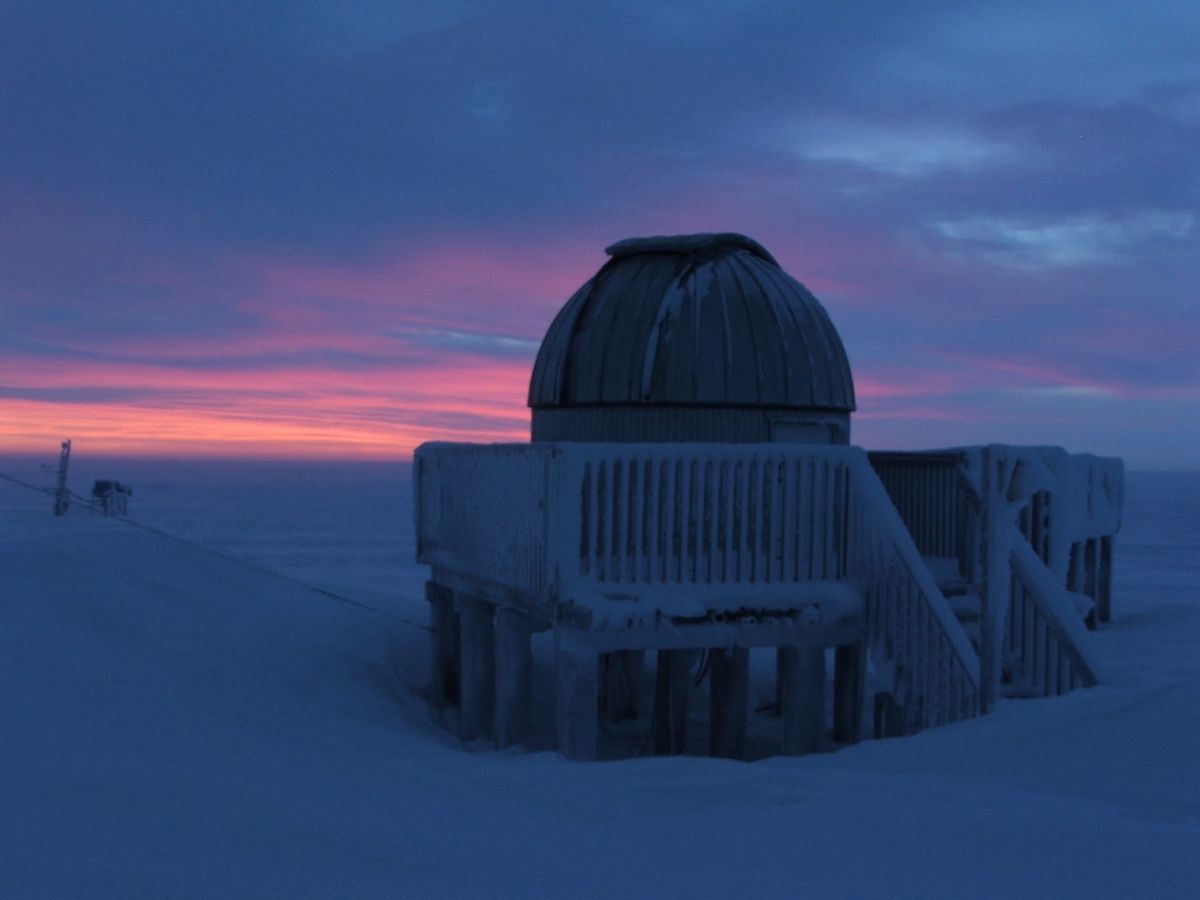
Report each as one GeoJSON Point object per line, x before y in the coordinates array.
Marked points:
{"type": "Point", "coordinates": [599, 328]}
{"type": "Point", "coordinates": [812, 335]}
{"type": "Point", "coordinates": [667, 355]}
{"type": "Point", "coordinates": [766, 328]}
{"type": "Point", "coordinates": [708, 322]}
{"type": "Point", "coordinates": [742, 380]}
{"type": "Point", "coordinates": [549, 369]}
{"type": "Point", "coordinates": [798, 359]}
{"type": "Point", "coordinates": [712, 349]}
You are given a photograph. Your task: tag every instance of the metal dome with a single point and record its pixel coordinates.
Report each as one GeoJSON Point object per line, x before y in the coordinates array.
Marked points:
{"type": "Point", "coordinates": [705, 320]}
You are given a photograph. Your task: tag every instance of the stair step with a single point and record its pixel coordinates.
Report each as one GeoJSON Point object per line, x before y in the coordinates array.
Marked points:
{"type": "Point", "coordinates": [965, 607]}
{"type": "Point", "coordinates": [1019, 690]}
{"type": "Point", "coordinates": [955, 587]}
{"type": "Point", "coordinates": [972, 631]}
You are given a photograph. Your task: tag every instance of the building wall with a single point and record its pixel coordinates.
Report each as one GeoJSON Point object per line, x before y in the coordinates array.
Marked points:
{"type": "Point", "coordinates": [671, 424]}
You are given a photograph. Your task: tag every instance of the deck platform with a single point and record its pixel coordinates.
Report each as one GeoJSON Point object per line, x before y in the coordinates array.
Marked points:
{"type": "Point", "coordinates": [695, 554]}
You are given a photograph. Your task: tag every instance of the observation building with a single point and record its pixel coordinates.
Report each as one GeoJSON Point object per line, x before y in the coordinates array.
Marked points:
{"type": "Point", "coordinates": [709, 563]}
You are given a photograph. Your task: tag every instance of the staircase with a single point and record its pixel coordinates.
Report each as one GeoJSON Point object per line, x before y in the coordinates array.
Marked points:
{"type": "Point", "coordinates": [960, 595]}
{"type": "Point", "coordinates": [983, 520]}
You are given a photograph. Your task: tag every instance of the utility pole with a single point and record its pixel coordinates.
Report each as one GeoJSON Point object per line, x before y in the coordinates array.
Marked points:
{"type": "Point", "coordinates": [61, 498]}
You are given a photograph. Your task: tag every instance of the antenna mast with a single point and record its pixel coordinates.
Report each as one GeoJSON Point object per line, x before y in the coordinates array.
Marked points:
{"type": "Point", "coordinates": [61, 498]}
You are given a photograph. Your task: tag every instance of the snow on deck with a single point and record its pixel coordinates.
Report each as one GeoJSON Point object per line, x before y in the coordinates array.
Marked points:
{"type": "Point", "coordinates": [176, 724]}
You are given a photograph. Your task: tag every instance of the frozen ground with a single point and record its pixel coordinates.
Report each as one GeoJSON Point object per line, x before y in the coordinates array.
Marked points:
{"type": "Point", "coordinates": [178, 725]}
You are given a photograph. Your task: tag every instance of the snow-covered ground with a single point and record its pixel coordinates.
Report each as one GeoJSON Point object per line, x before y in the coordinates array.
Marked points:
{"type": "Point", "coordinates": [176, 724]}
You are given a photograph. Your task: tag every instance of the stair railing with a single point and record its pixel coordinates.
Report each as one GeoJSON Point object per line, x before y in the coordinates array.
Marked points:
{"type": "Point", "coordinates": [1046, 640]}
{"type": "Point", "coordinates": [927, 673]}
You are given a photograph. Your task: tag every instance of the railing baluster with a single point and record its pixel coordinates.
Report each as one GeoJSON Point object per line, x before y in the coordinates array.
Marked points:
{"type": "Point", "coordinates": [616, 517]}
{"type": "Point", "coordinates": [754, 518]}
{"type": "Point", "coordinates": [633, 529]}
{"type": "Point", "coordinates": [787, 521]}
{"type": "Point", "coordinates": [1050, 670]}
{"type": "Point", "coordinates": [1033, 646]}
{"type": "Point", "coordinates": [922, 654]}
{"type": "Point", "coordinates": [930, 664]}
{"type": "Point", "coordinates": [1037, 676]}
{"type": "Point", "coordinates": [679, 546]}
{"type": "Point", "coordinates": [819, 513]}
{"type": "Point", "coordinates": [678, 524]}
{"type": "Point", "coordinates": [601, 520]}
{"type": "Point", "coordinates": [828, 567]}
{"type": "Point", "coordinates": [710, 522]}
{"type": "Point", "coordinates": [770, 509]}
{"type": "Point", "coordinates": [585, 529]}
{"type": "Point", "coordinates": [654, 517]}
{"type": "Point", "coordinates": [739, 519]}
{"type": "Point", "coordinates": [803, 520]}
{"type": "Point", "coordinates": [727, 502]}
{"type": "Point", "coordinates": [646, 553]}
{"type": "Point", "coordinates": [696, 521]}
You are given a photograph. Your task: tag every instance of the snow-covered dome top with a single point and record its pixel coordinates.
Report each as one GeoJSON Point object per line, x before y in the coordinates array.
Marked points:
{"type": "Point", "coordinates": [692, 320]}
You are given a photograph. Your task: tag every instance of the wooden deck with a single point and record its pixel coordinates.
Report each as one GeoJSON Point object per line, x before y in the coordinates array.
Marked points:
{"type": "Point", "coordinates": [700, 552]}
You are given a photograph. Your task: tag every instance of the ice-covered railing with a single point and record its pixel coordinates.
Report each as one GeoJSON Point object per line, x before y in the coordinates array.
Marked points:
{"type": "Point", "coordinates": [1045, 639]}
{"type": "Point", "coordinates": [1058, 500]}
{"type": "Point", "coordinates": [973, 503]}
{"type": "Point", "coordinates": [719, 517]}
{"type": "Point", "coordinates": [583, 522]}
{"type": "Point", "coordinates": [482, 511]}
{"type": "Point", "coordinates": [1081, 543]}
{"type": "Point", "coordinates": [1066, 500]}
{"type": "Point", "coordinates": [683, 529]}
{"type": "Point", "coordinates": [924, 488]}
{"type": "Point", "coordinates": [926, 666]}
{"type": "Point", "coordinates": [1063, 508]}
{"type": "Point", "coordinates": [936, 502]}
{"type": "Point", "coordinates": [708, 516]}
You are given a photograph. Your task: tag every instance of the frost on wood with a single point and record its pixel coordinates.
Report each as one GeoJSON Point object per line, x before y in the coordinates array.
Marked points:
{"type": "Point", "coordinates": [690, 490]}
{"type": "Point", "coordinates": [635, 547]}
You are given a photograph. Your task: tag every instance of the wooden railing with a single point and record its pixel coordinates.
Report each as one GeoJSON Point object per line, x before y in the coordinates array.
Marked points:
{"type": "Point", "coordinates": [1045, 639]}
{"type": "Point", "coordinates": [917, 644]}
{"type": "Point", "coordinates": [924, 488]}
{"type": "Point", "coordinates": [938, 505]}
{"type": "Point", "coordinates": [710, 514]}
{"type": "Point", "coordinates": [482, 511]}
{"type": "Point", "coordinates": [565, 523]}
{"type": "Point", "coordinates": [1063, 508]}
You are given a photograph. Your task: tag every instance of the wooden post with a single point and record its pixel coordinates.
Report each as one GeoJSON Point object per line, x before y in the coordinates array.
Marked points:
{"type": "Point", "coordinates": [622, 672]}
{"type": "Point", "coordinates": [576, 690]}
{"type": "Point", "coordinates": [803, 698]}
{"type": "Point", "coordinates": [782, 660]}
{"type": "Point", "coordinates": [889, 716]}
{"type": "Point", "coordinates": [1091, 570]}
{"type": "Point", "coordinates": [444, 659]}
{"type": "Point", "coordinates": [849, 680]}
{"type": "Point", "coordinates": [995, 576]}
{"type": "Point", "coordinates": [672, 691]}
{"type": "Point", "coordinates": [1104, 600]}
{"type": "Point", "coordinates": [478, 667]}
{"type": "Point", "coordinates": [1075, 581]}
{"type": "Point", "coordinates": [514, 676]}
{"type": "Point", "coordinates": [729, 671]}
{"type": "Point", "coordinates": [62, 497]}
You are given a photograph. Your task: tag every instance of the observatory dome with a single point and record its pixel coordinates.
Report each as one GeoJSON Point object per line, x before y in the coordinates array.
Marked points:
{"type": "Point", "coordinates": [699, 337]}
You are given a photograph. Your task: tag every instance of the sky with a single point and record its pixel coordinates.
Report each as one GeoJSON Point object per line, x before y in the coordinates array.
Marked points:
{"type": "Point", "coordinates": [340, 229]}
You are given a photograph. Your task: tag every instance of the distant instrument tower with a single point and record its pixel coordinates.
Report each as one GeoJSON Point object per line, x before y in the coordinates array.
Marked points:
{"type": "Point", "coordinates": [62, 499]}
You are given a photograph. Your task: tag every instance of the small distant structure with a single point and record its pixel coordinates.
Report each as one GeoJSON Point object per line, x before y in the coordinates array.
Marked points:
{"type": "Point", "coordinates": [690, 492]}
{"type": "Point", "coordinates": [62, 496]}
{"type": "Point", "coordinates": [111, 498]}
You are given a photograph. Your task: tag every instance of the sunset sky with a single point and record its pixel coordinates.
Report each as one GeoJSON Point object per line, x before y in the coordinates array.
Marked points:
{"type": "Point", "coordinates": [340, 229]}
